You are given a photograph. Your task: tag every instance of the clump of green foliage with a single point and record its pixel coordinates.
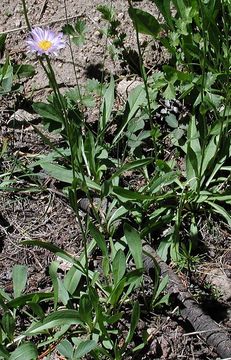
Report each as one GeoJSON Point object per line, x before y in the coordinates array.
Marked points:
{"type": "Point", "coordinates": [88, 304]}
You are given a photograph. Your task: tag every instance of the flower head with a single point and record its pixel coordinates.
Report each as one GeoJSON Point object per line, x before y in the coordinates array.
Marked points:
{"type": "Point", "coordinates": [45, 41]}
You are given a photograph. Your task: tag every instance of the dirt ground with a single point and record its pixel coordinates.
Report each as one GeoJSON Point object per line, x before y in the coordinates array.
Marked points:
{"type": "Point", "coordinates": [44, 213]}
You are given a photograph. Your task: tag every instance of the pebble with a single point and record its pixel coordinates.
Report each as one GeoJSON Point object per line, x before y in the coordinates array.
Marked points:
{"type": "Point", "coordinates": [167, 103]}
{"type": "Point", "coordinates": [22, 116]}
{"type": "Point", "coordinates": [98, 34]}
{"type": "Point", "coordinates": [163, 111]}
{"type": "Point", "coordinates": [18, 23]}
{"type": "Point", "coordinates": [120, 16]}
{"type": "Point", "coordinates": [175, 109]}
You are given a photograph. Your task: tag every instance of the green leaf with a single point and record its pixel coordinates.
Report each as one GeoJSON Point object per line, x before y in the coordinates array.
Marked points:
{"type": "Point", "coordinates": [37, 309]}
{"type": "Point", "coordinates": [144, 22]}
{"type": "Point", "coordinates": [210, 153]}
{"type": "Point", "coordinates": [8, 324]}
{"type": "Point", "coordinates": [85, 309]}
{"type": "Point", "coordinates": [72, 279]}
{"type": "Point", "coordinates": [73, 276]}
{"type": "Point", "coordinates": [171, 121]}
{"type": "Point", "coordinates": [118, 266]}
{"type": "Point", "coordinates": [4, 353]}
{"type": "Point", "coordinates": [2, 42]}
{"type": "Point", "coordinates": [63, 294]}
{"type": "Point", "coordinates": [178, 133]}
{"type": "Point", "coordinates": [65, 175]}
{"type": "Point", "coordinates": [58, 172]}
{"type": "Point", "coordinates": [48, 111]}
{"type": "Point", "coordinates": [164, 7]}
{"type": "Point", "coordinates": [125, 194]}
{"type": "Point", "coordinates": [221, 211]}
{"type": "Point", "coordinates": [57, 318]}
{"type": "Point", "coordinates": [160, 181]}
{"type": "Point", "coordinates": [117, 214]}
{"type": "Point", "coordinates": [193, 136]}
{"type": "Point", "coordinates": [23, 71]}
{"type": "Point", "coordinates": [108, 102]}
{"type": "Point", "coordinates": [161, 287]}
{"type": "Point", "coordinates": [24, 352]}
{"type": "Point", "coordinates": [98, 237]}
{"type": "Point", "coordinates": [163, 300]}
{"type": "Point", "coordinates": [217, 166]}
{"type": "Point", "coordinates": [137, 164]}
{"type": "Point", "coordinates": [193, 155]}
{"type": "Point", "coordinates": [6, 77]}
{"type": "Point", "coordinates": [136, 98]}
{"type": "Point", "coordinates": [84, 348]}
{"type": "Point", "coordinates": [133, 279]}
{"type": "Point", "coordinates": [56, 250]}
{"type": "Point", "coordinates": [170, 92]}
{"type": "Point", "coordinates": [53, 268]}
{"type": "Point", "coordinates": [107, 12]}
{"type": "Point", "coordinates": [24, 299]}
{"type": "Point", "coordinates": [19, 275]}
{"type": "Point", "coordinates": [65, 348]}
{"type": "Point", "coordinates": [219, 197]}
{"type": "Point", "coordinates": [134, 244]}
{"type": "Point", "coordinates": [114, 318]}
{"type": "Point", "coordinates": [134, 321]}
{"type": "Point", "coordinates": [76, 32]}
{"type": "Point", "coordinates": [192, 168]}
{"type": "Point", "coordinates": [116, 292]}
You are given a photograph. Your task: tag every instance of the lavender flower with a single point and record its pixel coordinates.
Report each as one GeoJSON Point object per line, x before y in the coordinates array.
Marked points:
{"type": "Point", "coordinates": [45, 41]}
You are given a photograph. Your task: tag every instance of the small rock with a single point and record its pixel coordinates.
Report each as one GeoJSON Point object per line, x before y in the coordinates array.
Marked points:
{"type": "Point", "coordinates": [120, 16]}
{"type": "Point", "coordinates": [175, 109]}
{"type": "Point", "coordinates": [21, 117]}
{"type": "Point", "coordinates": [218, 278]}
{"type": "Point", "coordinates": [124, 87]}
{"type": "Point", "coordinates": [18, 23]}
{"type": "Point", "coordinates": [167, 103]}
{"type": "Point", "coordinates": [163, 111]}
{"type": "Point", "coordinates": [98, 34]}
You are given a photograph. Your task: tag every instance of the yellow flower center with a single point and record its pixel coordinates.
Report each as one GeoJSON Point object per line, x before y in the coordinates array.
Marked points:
{"type": "Point", "coordinates": [45, 44]}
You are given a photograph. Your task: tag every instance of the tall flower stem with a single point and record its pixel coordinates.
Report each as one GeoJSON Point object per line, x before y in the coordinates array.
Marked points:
{"type": "Point", "coordinates": [145, 79]}
{"type": "Point", "coordinates": [25, 12]}
{"type": "Point", "coordinates": [62, 107]}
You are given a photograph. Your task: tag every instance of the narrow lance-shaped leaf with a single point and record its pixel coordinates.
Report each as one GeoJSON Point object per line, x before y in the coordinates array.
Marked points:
{"type": "Point", "coordinates": [65, 348]}
{"type": "Point", "coordinates": [58, 318]}
{"type": "Point", "coordinates": [134, 244]}
{"type": "Point", "coordinates": [134, 321]}
{"type": "Point", "coordinates": [137, 164]}
{"type": "Point", "coordinates": [84, 348]}
{"type": "Point", "coordinates": [54, 278]}
{"type": "Point", "coordinates": [98, 237]}
{"type": "Point", "coordinates": [136, 98]}
{"type": "Point", "coordinates": [144, 22]}
{"type": "Point", "coordinates": [108, 102]}
{"type": "Point", "coordinates": [118, 266]}
{"type": "Point", "coordinates": [165, 8]}
{"type": "Point", "coordinates": [19, 275]}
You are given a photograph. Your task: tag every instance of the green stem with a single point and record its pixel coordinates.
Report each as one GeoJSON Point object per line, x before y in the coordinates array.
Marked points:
{"type": "Point", "coordinates": [145, 80]}
{"type": "Point", "coordinates": [25, 12]}
{"type": "Point", "coordinates": [100, 132]}
{"type": "Point", "coordinates": [204, 133]}
{"type": "Point", "coordinates": [72, 56]}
